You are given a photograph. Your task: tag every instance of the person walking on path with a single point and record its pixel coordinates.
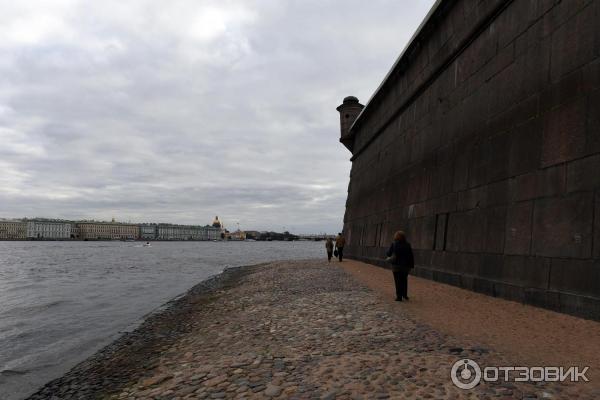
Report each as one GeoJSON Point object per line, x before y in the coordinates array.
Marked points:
{"type": "Point", "coordinates": [329, 247]}
{"type": "Point", "coordinates": [401, 257]}
{"type": "Point", "coordinates": [340, 241]}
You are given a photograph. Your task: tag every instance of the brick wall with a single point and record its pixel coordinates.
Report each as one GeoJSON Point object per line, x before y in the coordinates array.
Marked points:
{"type": "Point", "coordinates": [483, 144]}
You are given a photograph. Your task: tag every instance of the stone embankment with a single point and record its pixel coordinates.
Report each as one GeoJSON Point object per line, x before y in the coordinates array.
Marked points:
{"type": "Point", "coordinates": [288, 330]}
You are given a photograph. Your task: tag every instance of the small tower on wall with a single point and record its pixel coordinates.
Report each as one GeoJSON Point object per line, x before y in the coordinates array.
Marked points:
{"type": "Point", "coordinates": [348, 110]}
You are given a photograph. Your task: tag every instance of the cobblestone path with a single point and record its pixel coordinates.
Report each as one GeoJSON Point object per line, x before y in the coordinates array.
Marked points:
{"type": "Point", "coordinates": [288, 330]}
{"type": "Point", "coordinates": [307, 330]}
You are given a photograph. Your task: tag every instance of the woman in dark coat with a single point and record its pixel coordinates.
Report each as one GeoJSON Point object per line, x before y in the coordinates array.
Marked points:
{"type": "Point", "coordinates": [401, 256]}
{"type": "Point", "coordinates": [329, 248]}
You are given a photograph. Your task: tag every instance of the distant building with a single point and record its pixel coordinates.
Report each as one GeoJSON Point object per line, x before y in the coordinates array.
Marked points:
{"type": "Point", "coordinates": [252, 235]}
{"type": "Point", "coordinates": [172, 232]}
{"type": "Point", "coordinates": [12, 229]}
{"type": "Point", "coordinates": [107, 231]}
{"type": "Point", "coordinates": [237, 235]}
{"type": "Point", "coordinates": [213, 233]}
{"type": "Point", "coordinates": [186, 232]}
{"type": "Point", "coordinates": [50, 230]}
{"type": "Point", "coordinates": [148, 231]}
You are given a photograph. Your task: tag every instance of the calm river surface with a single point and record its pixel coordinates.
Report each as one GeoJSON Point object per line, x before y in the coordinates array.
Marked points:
{"type": "Point", "coordinates": [62, 301]}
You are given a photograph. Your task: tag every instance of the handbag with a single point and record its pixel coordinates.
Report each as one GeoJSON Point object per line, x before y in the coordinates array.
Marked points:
{"type": "Point", "coordinates": [335, 252]}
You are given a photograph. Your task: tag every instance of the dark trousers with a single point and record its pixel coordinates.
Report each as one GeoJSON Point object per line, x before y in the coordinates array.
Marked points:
{"type": "Point", "coordinates": [340, 253]}
{"type": "Point", "coordinates": [401, 281]}
{"type": "Point", "coordinates": [329, 255]}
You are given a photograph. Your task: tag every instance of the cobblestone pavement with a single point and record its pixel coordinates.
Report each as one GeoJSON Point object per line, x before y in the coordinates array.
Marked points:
{"type": "Point", "coordinates": [306, 330]}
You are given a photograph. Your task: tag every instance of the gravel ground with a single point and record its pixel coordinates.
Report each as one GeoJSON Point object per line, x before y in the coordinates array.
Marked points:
{"type": "Point", "coordinates": [287, 330]}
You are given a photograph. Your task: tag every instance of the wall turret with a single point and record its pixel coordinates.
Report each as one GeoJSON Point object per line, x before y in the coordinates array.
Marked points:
{"type": "Point", "coordinates": [349, 110]}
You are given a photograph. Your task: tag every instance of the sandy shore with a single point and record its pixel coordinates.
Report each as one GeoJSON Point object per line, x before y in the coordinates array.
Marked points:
{"type": "Point", "coordinates": [290, 330]}
{"type": "Point", "coordinates": [529, 335]}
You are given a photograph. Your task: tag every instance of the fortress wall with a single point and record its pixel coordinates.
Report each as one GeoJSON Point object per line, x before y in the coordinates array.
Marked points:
{"type": "Point", "coordinates": [483, 143]}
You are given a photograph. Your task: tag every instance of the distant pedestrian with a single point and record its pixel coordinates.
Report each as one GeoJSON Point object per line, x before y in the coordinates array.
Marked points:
{"type": "Point", "coordinates": [400, 255]}
{"type": "Point", "coordinates": [329, 247]}
{"type": "Point", "coordinates": [340, 242]}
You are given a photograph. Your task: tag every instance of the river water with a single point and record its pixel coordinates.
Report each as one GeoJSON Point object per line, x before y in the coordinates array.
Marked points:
{"type": "Point", "coordinates": [62, 301]}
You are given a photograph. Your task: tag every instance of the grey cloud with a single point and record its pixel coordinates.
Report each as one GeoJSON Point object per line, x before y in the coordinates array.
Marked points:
{"type": "Point", "coordinates": [178, 112]}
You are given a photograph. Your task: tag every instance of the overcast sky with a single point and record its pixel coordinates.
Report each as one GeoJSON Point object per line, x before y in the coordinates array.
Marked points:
{"type": "Point", "coordinates": [180, 110]}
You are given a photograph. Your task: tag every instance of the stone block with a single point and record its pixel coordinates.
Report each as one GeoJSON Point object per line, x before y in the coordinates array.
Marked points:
{"type": "Point", "coordinates": [479, 162]}
{"type": "Point", "coordinates": [465, 231]}
{"type": "Point", "coordinates": [562, 227]}
{"type": "Point", "coordinates": [499, 156]}
{"type": "Point", "coordinates": [491, 267]}
{"type": "Point", "coordinates": [423, 272]}
{"type": "Point", "coordinates": [541, 183]}
{"type": "Point", "coordinates": [447, 204]}
{"type": "Point", "coordinates": [474, 231]}
{"type": "Point", "coordinates": [472, 198]}
{"type": "Point", "coordinates": [443, 260]}
{"type": "Point", "coordinates": [573, 43]}
{"type": "Point", "coordinates": [480, 285]}
{"type": "Point", "coordinates": [505, 82]}
{"type": "Point", "coordinates": [499, 193]}
{"type": "Point", "coordinates": [518, 228]}
{"type": "Point", "coordinates": [455, 222]}
{"type": "Point", "coordinates": [476, 107]}
{"type": "Point", "coordinates": [515, 20]}
{"type": "Point", "coordinates": [580, 277]}
{"type": "Point", "coordinates": [449, 278]}
{"type": "Point", "coordinates": [514, 116]}
{"type": "Point", "coordinates": [443, 179]}
{"type": "Point", "coordinates": [525, 148]}
{"type": "Point", "coordinates": [461, 166]}
{"type": "Point", "coordinates": [526, 271]}
{"type": "Point", "coordinates": [534, 69]}
{"type": "Point", "coordinates": [584, 174]}
{"type": "Point", "coordinates": [467, 282]}
{"type": "Point", "coordinates": [542, 298]}
{"type": "Point", "coordinates": [564, 133]}
{"type": "Point", "coordinates": [566, 89]}
{"type": "Point", "coordinates": [581, 306]}
{"type": "Point", "coordinates": [495, 229]}
{"type": "Point", "coordinates": [509, 292]}
{"type": "Point", "coordinates": [468, 263]}
{"type": "Point", "coordinates": [423, 232]}
{"type": "Point", "coordinates": [591, 76]}
{"type": "Point", "coordinates": [440, 231]}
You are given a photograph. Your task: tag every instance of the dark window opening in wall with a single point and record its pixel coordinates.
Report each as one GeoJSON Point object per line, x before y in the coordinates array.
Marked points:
{"type": "Point", "coordinates": [435, 229]}
{"type": "Point", "coordinates": [446, 230]}
{"type": "Point", "coordinates": [376, 235]}
{"type": "Point", "coordinates": [440, 232]}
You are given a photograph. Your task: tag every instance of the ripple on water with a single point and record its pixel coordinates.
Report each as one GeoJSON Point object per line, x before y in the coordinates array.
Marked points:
{"type": "Point", "coordinates": [61, 301]}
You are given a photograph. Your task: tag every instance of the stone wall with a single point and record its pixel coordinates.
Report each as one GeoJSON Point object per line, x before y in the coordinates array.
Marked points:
{"type": "Point", "coordinates": [483, 144]}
